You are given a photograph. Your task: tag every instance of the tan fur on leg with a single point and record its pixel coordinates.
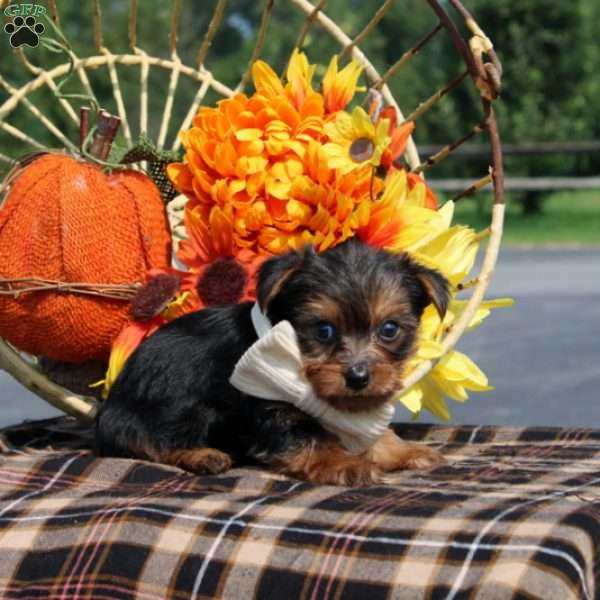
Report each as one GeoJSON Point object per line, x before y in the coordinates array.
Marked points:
{"type": "Point", "coordinates": [330, 463]}
{"type": "Point", "coordinates": [197, 460]}
{"type": "Point", "coordinates": [390, 453]}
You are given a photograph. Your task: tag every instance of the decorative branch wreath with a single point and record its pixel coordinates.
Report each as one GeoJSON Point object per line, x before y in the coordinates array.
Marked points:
{"type": "Point", "coordinates": [482, 68]}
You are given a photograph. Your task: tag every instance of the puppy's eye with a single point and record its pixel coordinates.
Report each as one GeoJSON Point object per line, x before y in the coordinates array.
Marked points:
{"type": "Point", "coordinates": [388, 331]}
{"type": "Point", "coordinates": [325, 331]}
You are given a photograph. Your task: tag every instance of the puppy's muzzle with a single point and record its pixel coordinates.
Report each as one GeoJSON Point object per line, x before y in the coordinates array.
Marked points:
{"type": "Point", "coordinates": [357, 376]}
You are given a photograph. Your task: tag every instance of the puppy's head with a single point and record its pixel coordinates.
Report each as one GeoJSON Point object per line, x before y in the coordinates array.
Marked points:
{"type": "Point", "coordinates": [356, 312]}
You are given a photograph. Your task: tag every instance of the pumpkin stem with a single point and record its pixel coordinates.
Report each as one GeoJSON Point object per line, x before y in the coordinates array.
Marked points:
{"type": "Point", "coordinates": [104, 135]}
{"type": "Point", "coordinates": [84, 125]}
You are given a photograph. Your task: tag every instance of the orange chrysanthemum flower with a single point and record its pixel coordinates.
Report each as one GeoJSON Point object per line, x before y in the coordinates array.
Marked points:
{"type": "Point", "coordinates": [256, 174]}
{"type": "Point", "coordinates": [281, 168]}
{"type": "Point", "coordinates": [276, 170]}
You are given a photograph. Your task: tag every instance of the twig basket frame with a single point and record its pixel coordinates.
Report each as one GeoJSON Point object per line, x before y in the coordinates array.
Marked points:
{"type": "Point", "coordinates": [481, 67]}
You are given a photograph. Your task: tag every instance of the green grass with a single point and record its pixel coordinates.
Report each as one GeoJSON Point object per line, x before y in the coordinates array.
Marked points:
{"type": "Point", "coordinates": [567, 218]}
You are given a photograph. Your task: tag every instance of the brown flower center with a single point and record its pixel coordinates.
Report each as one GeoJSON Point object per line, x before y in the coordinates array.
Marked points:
{"type": "Point", "coordinates": [222, 282]}
{"type": "Point", "coordinates": [154, 296]}
{"type": "Point", "coordinates": [361, 149]}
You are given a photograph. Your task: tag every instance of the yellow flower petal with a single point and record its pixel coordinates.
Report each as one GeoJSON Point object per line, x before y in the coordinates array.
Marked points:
{"type": "Point", "coordinates": [123, 346]}
{"type": "Point", "coordinates": [457, 366]}
{"type": "Point", "coordinates": [265, 80]}
{"type": "Point", "coordinates": [452, 389]}
{"type": "Point", "coordinates": [362, 125]}
{"type": "Point", "coordinates": [418, 222]}
{"type": "Point", "coordinates": [277, 189]}
{"type": "Point", "coordinates": [339, 87]}
{"type": "Point", "coordinates": [452, 252]}
{"type": "Point", "coordinates": [485, 309]}
{"type": "Point", "coordinates": [447, 213]}
{"type": "Point", "coordinates": [341, 130]}
{"type": "Point", "coordinates": [412, 398]}
{"type": "Point", "coordinates": [429, 349]}
{"type": "Point", "coordinates": [299, 75]}
{"type": "Point", "coordinates": [248, 135]}
{"type": "Point", "coordinates": [299, 212]}
{"type": "Point", "coordinates": [434, 402]}
{"type": "Point", "coordinates": [177, 307]}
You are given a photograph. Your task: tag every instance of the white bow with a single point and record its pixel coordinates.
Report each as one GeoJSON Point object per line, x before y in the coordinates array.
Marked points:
{"type": "Point", "coordinates": [272, 369]}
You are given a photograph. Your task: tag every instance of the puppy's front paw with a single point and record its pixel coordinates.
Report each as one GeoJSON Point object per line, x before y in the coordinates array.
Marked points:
{"type": "Point", "coordinates": [215, 462]}
{"type": "Point", "coordinates": [359, 474]}
{"type": "Point", "coordinates": [421, 457]}
{"type": "Point", "coordinates": [202, 461]}
{"type": "Point", "coordinates": [391, 453]}
{"type": "Point", "coordinates": [330, 464]}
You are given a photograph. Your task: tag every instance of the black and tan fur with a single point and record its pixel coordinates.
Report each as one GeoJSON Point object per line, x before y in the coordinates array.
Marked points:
{"type": "Point", "coordinates": [173, 402]}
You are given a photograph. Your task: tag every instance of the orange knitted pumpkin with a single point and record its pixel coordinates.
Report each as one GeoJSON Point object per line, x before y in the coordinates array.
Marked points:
{"type": "Point", "coordinates": [64, 219]}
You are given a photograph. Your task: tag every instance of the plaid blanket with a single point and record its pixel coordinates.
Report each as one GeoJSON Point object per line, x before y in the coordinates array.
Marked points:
{"type": "Point", "coordinates": [515, 513]}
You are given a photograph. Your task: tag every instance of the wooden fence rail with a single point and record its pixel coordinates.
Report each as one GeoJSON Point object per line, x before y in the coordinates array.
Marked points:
{"type": "Point", "coordinates": [521, 183]}
{"type": "Point", "coordinates": [483, 150]}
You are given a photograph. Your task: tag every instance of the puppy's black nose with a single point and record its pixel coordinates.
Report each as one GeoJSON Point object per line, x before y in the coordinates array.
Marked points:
{"type": "Point", "coordinates": [357, 376]}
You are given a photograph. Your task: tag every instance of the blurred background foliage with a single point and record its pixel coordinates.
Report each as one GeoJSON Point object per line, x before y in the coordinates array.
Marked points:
{"type": "Point", "coordinates": [549, 50]}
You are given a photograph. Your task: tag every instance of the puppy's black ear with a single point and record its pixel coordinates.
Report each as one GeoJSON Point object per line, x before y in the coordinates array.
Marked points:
{"type": "Point", "coordinates": [435, 287]}
{"type": "Point", "coordinates": [274, 272]}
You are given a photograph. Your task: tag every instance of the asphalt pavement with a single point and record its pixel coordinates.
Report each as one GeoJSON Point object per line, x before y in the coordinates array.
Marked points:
{"type": "Point", "coordinates": [542, 355]}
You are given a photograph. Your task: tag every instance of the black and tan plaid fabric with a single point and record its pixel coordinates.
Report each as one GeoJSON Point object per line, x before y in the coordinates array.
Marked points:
{"type": "Point", "coordinates": [514, 514]}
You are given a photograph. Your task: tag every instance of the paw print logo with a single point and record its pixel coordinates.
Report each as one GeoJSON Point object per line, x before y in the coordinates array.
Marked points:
{"type": "Point", "coordinates": [24, 32]}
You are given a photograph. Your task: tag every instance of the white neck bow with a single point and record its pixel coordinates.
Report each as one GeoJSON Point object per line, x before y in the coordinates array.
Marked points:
{"type": "Point", "coordinates": [272, 368]}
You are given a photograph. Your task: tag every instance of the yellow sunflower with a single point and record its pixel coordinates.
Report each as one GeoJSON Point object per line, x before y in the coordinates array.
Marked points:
{"type": "Point", "coordinates": [455, 374]}
{"type": "Point", "coordinates": [355, 141]}
{"type": "Point", "coordinates": [452, 251]}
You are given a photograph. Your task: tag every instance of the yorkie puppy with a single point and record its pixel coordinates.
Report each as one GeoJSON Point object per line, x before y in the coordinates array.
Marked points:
{"type": "Point", "coordinates": [355, 311]}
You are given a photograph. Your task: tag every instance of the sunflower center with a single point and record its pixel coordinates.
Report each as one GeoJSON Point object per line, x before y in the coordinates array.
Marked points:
{"type": "Point", "coordinates": [361, 149]}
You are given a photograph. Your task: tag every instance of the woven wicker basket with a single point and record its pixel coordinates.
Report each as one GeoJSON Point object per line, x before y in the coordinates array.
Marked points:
{"type": "Point", "coordinates": [480, 69]}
